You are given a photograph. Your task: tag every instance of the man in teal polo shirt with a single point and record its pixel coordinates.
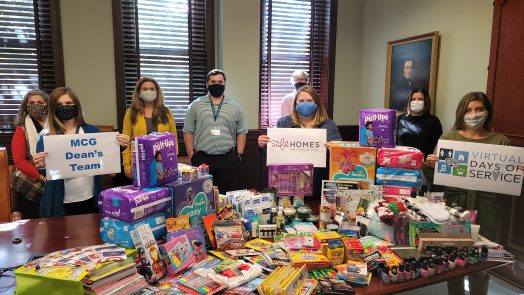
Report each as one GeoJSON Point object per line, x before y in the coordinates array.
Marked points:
{"type": "Point", "coordinates": [215, 132]}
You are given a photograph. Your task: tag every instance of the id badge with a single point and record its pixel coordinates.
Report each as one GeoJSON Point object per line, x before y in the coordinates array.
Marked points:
{"type": "Point", "coordinates": [215, 132]}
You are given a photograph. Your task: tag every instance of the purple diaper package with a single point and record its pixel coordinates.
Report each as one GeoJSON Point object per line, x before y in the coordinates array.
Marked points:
{"type": "Point", "coordinates": [291, 179]}
{"type": "Point", "coordinates": [154, 159]}
{"type": "Point", "coordinates": [129, 203]}
{"type": "Point", "coordinates": [377, 127]}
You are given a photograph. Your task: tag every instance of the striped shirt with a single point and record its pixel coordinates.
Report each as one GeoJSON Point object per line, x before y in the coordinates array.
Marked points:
{"type": "Point", "coordinates": [200, 122]}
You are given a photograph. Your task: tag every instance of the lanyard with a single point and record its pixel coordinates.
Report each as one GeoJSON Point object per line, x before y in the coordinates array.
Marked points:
{"type": "Point", "coordinates": [215, 114]}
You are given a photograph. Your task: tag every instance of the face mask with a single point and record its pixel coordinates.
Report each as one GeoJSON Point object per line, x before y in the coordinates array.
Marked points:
{"type": "Point", "coordinates": [476, 121]}
{"type": "Point", "coordinates": [66, 112]}
{"type": "Point", "coordinates": [416, 106]}
{"type": "Point", "coordinates": [216, 90]}
{"type": "Point", "coordinates": [37, 111]}
{"type": "Point", "coordinates": [298, 85]}
{"type": "Point", "coordinates": [148, 95]}
{"type": "Point", "coordinates": [306, 108]}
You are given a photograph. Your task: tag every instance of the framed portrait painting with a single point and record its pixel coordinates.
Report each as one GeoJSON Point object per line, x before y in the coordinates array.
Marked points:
{"type": "Point", "coordinates": [411, 63]}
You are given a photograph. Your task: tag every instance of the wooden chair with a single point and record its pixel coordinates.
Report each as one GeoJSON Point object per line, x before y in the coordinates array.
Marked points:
{"type": "Point", "coordinates": [5, 186]}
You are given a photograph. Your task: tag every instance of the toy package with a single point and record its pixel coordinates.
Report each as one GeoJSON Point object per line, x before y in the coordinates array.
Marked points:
{"type": "Point", "coordinates": [291, 179]}
{"type": "Point", "coordinates": [377, 127]}
{"type": "Point", "coordinates": [343, 197]}
{"type": "Point", "coordinates": [149, 255]}
{"type": "Point", "coordinates": [398, 177]}
{"type": "Point", "coordinates": [193, 198]}
{"type": "Point", "coordinates": [400, 157]}
{"type": "Point", "coordinates": [228, 234]}
{"type": "Point", "coordinates": [196, 238]}
{"type": "Point", "coordinates": [154, 159]}
{"type": "Point", "coordinates": [348, 160]}
{"type": "Point", "coordinates": [129, 203]}
{"type": "Point", "coordinates": [117, 232]}
{"type": "Point", "coordinates": [177, 254]}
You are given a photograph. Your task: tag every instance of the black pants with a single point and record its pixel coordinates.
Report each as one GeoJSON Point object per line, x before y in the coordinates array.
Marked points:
{"type": "Point", "coordinates": [28, 208]}
{"type": "Point", "coordinates": [222, 167]}
{"type": "Point", "coordinates": [83, 207]}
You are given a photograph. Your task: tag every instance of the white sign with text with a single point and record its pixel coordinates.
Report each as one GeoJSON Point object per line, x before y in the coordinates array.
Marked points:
{"type": "Point", "coordinates": [297, 145]}
{"type": "Point", "coordinates": [75, 155]}
{"type": "Point", "coordinates": [480, 167]}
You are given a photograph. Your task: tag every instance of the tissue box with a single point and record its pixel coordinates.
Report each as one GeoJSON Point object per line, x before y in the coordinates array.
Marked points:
{"type": "Point", "coordinates": [377, 127]}
{"type": "Point", "coordinates": [400, 157]}
{"type": "Point", "coordinates": [348, 160]}
{"type": "Point", "coordinates": [398, 177]}
{"type": "Point", "coordinates": [129, 203]}
{"type": "Point", "coordinates": [192, 198]}
{"type": "Point", "coordinates": [291, 179]}
{"type": "Point", "coordinates": [154, 159]}
{"type": "Point", "coordinates": [117, 232]}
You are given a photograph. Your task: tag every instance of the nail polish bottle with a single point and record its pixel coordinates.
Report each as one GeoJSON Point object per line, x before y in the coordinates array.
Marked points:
{"type": "Point", "coordinates": [452, 262]}
{"type": "Point", "coordinates": [465, 254]}
{"type": "Point", "coordinates": [439, 266]}
{"type": "Point", "coordinates": [415, 270]}
{"type": "Point", "coordinates": [401, 272]}
{"type": "Point", "coordinates": [386, 278]}
{"type": "Point", "coordinates": [407, 271]}
{"type": "Point", "coordinates": [424, 271]}
{"type": "Point", "coordinates": [484, 253]}
{"type": "Point", "coordinates": [445, 261]}
{"type": "Point", "coordinates": [432, 269]}
{"type": "Point", "coordinates": [394, 274]}
{"type": "Point", "coordinates": [461, 262]}
{"type": "Point", "coordinates": [379, 269]}
{"type": "Point", "coordinates": [472, 258]}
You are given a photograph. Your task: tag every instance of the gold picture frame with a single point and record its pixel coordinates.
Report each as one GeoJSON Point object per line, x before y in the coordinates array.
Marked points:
{"type": "Point", "coordinates": [411, 63]}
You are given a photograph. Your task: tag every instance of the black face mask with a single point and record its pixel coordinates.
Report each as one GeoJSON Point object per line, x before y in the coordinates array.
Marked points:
{"type": "Point", "coordinates": [298, 85]}
{"type": "Point", "coordinates": [66, 112]}
{"type": "Point", "coordinates": [216, 90]}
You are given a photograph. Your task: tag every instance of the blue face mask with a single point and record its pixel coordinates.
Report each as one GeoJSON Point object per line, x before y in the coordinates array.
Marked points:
{"type": "Point", "coordinates": [306, 108]}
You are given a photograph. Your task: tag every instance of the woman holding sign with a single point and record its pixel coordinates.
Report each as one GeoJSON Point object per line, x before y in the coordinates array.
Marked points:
{"type": "Point", "coordinates": [27, 181]}
{"type": "Point", "coordinates": [473, 124]}
{"type": "Point", "coordinates": [146, 114]}
{"type": "Point", "coordinates": [308, 112]}
{"type": "Point", "coordinates": [77, 195]}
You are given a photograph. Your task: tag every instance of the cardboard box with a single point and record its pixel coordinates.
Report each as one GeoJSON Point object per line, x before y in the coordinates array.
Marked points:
{"type": "Point", "coordinates": [192, 198]}
{"type": "Point", "coordinates": [348, 160]}
{"type": "Point", "coordinates": [444, 240]}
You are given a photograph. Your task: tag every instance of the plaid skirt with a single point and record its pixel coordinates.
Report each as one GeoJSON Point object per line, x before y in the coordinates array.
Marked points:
{"type": "Point", "coordinates": [32, 190]}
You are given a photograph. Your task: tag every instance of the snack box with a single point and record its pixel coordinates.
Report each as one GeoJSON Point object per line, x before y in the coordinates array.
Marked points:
{"type": "Point", "coordinates": [129, 203]}
{"type": "Point", "coordinates": [115, 231]}
{"type": "Point", "coordinates": [291, 179]}
{"type": "Point", "coordinates": [154, 159]}
{"type": "Point", "coordinates": [377, 127]}
{"type": "Point", "coordinates": [193, 198]}
{"type": "Point", "coordinates": [400, 157]}
{"type": "Point", "coordinates": [348, 160]}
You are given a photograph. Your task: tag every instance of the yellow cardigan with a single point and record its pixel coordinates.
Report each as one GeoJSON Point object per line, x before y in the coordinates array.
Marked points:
{"type": "Point", "coordinates": [140, 129]}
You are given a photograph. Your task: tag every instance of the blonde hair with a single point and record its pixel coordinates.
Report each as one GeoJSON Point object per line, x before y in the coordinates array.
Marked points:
{"type": "Point", "coordinates": [54, 124]}
{"type": "Point", "coordinates": [160, 111]}
{"type": "Point", "coordinates": [320, 114]}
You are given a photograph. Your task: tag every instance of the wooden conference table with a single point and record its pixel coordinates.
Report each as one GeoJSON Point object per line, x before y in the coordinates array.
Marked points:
{"type": "Point", "coordinates": [42, 236]}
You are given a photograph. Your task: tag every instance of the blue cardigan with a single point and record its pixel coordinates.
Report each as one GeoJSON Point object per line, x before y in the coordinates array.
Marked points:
{"type": "Point", "coordinates": [52, 202]}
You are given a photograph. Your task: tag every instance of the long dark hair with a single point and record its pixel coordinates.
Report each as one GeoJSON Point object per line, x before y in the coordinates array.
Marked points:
{"type": "Point", "coordinates": [462, 108]}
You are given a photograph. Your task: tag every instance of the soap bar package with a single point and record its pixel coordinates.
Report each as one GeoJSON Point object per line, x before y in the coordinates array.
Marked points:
{"type": "Point", "coordinates": [377, 127]}
{"type": "Point", "coordinates": [129, 203]}
{"type": "Point", "coordinates": [400, 157]}
{"type": "Point", "coordinates": [115, 231]}
{"type": "Point", "coordinates": [291, 179]}
{"type": "Point", "coordinates": [154, 159]}
{"type": "Point", "coordinates": [193, 198]}
{"type": "Point", "coordinates": [398, 177]}
{"type": "Point", "coordinates": [348, 160]}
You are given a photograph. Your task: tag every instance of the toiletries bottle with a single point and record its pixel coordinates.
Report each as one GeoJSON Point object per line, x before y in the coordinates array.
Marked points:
{"type": "Point", "coordinates": [424, 272]}
{"type": "Point", "coordinates": [431, 268]}
{"type": "Point", "coordinates": [415, 270]}
{"type": "Point", "coordinates": [452, 261]}
{"type": "Point", "coordinates": [472, 258]}
{"type": "Point", "coordinates": [394, 273]}
{"type": "Point", "coordinates": [401, 272]}
{"type": "Point", "coordinates": [254, 227]}
{"type": "Point", "coordinates": [386, 277]}
{"type": "Point", "coordinates": [273, 216]}
{"type": "Point", "coordinates": [280, 221]}
{"type": "Point", "coordinates": [407, 271]}
{"type": "Point", "coordinates": [461, 262]}
{"type": "Point", "coordinates": [484, 253]}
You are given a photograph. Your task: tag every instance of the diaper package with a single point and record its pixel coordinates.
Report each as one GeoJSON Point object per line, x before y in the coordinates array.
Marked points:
{"type": "Point", "coordinates": [377, 127]}
{"type": "Point", "coordinates": [398, 177]}
{"type": "Point", "coordinates": [115, 231]}
{"type": "Point", "coordinates": [154, 159]}
{"type": "Point", "coordinates": [400, 157]}
{"type": "Point", "coordinates": [129, 203]}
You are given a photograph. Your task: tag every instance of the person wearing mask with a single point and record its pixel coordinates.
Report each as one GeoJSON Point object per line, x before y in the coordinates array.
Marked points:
{"type": "Point", "coordinates": [308, 112]}
{"type": "Point", "coordinates": [473, 124]}
{"type": "Point", "coordinates": [215, 132]}
{"type": "Point", "coordinates": [146, 114]}
{"type": "Point", "coordinates": [72, 196]}
{"type": "Point", "coordinates": [298, 79]}
{"type": "Point", "coordinates": [417, 127]}
{"type": "Point", "coordinates": [28, 184]}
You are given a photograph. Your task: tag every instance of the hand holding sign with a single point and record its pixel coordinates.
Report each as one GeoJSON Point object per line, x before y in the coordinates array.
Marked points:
{"type": "Point", "coordinates": [296, 145]}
